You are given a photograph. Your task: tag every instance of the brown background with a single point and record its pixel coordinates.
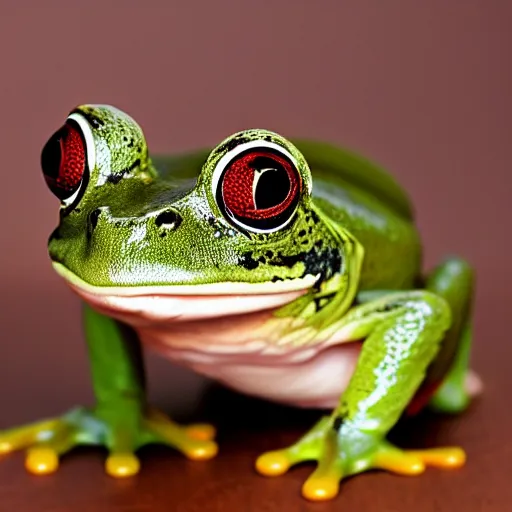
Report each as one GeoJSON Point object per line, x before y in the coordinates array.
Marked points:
{"type": "Point", "coordinates": [422, 87]}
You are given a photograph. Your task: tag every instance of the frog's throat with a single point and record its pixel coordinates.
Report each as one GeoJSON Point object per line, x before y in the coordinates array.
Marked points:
{"type": "Point", "coordinates": [301, 284]}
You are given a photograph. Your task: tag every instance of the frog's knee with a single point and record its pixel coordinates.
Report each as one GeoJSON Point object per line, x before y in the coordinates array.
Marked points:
{"type": "Point", "coordinates": [457, 265]}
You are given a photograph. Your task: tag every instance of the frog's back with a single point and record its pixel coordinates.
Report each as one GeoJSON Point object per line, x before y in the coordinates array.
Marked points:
{"type": "Point", "coordinates": [369, 202]}
{"type": "Point", "coordinates": [343, 169]}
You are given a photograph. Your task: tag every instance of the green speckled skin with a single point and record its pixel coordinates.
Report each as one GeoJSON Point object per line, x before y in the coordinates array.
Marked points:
{"type": "Point", "coordinates": [352, 228]}
{"type": "Point", "coordinates": [113, 217]}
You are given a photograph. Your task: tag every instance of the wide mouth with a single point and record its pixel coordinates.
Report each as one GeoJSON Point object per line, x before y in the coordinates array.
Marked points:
{"type": "Point", "coordinates": [136, 304]}
{"type": "Point", "coordinates": [203, 289]}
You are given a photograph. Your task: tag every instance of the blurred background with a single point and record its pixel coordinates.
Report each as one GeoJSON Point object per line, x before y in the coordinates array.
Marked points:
{"type": "Point", "coordinates": [421, 87]}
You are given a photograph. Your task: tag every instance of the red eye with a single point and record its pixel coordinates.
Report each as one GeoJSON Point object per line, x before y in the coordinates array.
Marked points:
{"type": "Point", "coordinates": [63, 160]}
{"type": "Point", "coordinates": [260, 189]}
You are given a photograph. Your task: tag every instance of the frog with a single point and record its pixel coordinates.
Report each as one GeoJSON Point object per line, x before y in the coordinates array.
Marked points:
{"type": "Point", "coordinates": [290, 270]}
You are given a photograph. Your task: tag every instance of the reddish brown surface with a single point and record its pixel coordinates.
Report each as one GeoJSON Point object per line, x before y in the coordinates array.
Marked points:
{"type": "Point", "coordinates": [423, 89]}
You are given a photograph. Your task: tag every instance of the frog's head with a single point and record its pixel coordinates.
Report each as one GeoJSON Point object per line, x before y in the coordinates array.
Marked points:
{"type": "Point", "coordinates": [242, 225]}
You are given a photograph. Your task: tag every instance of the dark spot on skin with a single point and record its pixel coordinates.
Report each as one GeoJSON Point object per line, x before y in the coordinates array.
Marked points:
{"type": "Point", "coordinates": [320, 302]}
{"type": "Point", "coordinates": [319, 244]}
{"type": "Point", "coordinates": [92, 222]}
{"type": "Point", "coordinates": [390, 306]}
{"type": "Point", "coordinates": [337, 423]}
{"type": "Point", "coordinates": [55, 235]}
{"type": "Point", "coordinates": [232, 144]}
{"type": "Point", "coordinates": [93, 218]}
{"type": "Point", "coordinates": [94, 121]}
{"type": "Point", "coordinates": [77, 210]}
{"type": "Point", "coordinates": [314, 218]}
{"type": "Point", "coordinates": [302, 232]}
{"type": "Point", "coordinates": [169, 219]}
{"type": "Point", "coordinates": [163, 234]}
{"type": "Point", "coordinates": [310, 230]}
{"type": "Point", "coordinates": [131, 143]}
{"type": "Point", "coordinates": [305, 242]}
{"type": "Point", "coordinates": [211, 221]}
{"type": "Point", "coordinates": [248, 262]}
{"type": "Point", "coordinates": [262, 259]}
{"type": "Point", "coordinates": [116, 177]}
{"type": "Point", "coordinates": [326, 263]}
{"type": "Point", "coordinates": [269, 254]}
{"type": "Point", "coordinates": [275, 279]}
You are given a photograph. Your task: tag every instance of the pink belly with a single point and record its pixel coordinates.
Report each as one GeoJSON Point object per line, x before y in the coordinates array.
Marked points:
{"type": "Point", "coordinates": [233, 351]}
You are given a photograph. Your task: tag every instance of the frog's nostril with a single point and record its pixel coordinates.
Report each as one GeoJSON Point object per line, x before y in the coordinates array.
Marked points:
{"type": "Point", "coordinates": [168, 219]}
{"type": "Point", "coordinates": [93, 218]}
{"type": "Point", "coordinates": [92, 221]}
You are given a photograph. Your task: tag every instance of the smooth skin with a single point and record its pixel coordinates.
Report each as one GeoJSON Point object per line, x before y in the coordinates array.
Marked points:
{"type": "Point", "coordinates": [152, 224]}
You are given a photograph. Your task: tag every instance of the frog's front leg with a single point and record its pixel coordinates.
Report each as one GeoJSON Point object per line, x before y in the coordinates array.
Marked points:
{"type": "Point", "coordinates": [402, 333]}
{"type": "Point", "coordinates": [121, 419]}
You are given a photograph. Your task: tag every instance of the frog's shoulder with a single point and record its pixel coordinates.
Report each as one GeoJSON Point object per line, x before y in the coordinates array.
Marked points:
{"type": "Point", "coordinates": [333, 163]}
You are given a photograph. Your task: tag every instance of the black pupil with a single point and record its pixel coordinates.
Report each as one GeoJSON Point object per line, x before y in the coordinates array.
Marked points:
{"type": "Point", "coordinates": [273, 185]}
{"type": "Point", "coordinates": [52, 154]}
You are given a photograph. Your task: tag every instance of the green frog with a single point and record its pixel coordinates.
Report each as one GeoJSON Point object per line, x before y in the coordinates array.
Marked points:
{"type": "Point", "coordinates": [290, 270]}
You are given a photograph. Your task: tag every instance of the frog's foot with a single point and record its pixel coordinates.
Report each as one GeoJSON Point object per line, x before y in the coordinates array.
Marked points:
{"type": "Point", "coordinates": [48, 440]}
{"type": "Point", "coordinates": [339, 459]}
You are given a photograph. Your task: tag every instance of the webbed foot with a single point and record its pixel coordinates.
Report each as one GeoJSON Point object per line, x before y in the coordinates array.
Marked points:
{"type": "Point", "coordinates": [342, 455]}
{"type": "Point", "coordinates": [47, 440]}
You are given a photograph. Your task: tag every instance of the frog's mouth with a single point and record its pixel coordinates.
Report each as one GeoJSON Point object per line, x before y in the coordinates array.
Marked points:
{"type": "Point", "coordinates": [186, 302]}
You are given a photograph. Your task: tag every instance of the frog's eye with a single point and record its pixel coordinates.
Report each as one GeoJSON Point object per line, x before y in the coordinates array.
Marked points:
{"type": "Point", "coordinates": [64, 159]}
{"type": "Point", "coordinates": [257, 186]}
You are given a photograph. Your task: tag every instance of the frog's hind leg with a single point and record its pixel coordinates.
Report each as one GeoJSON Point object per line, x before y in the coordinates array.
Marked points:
{"type": "Point", "coordinates": [449, 384]}
{"type": "Point", "coordinates": [403, 333]}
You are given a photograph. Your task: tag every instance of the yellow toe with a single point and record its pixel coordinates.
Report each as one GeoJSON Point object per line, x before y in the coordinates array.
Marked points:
{"type": "Point", "coordinates": [122, 465]}
{"type": "Point", "coordinates": [321, 488]}
{"type": "Point", "coordinates": [447, 458]}
{"type": "Point", "coordinates": [272, 463]}
{"type": "Point", "coordinates": [205, 451]}
{"type": "Point", "coordinates": [400, 463]}
{"type": "Point", "coordinates": [5, 447]}
{"type": "Point", "coordinates": [42, 461]}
